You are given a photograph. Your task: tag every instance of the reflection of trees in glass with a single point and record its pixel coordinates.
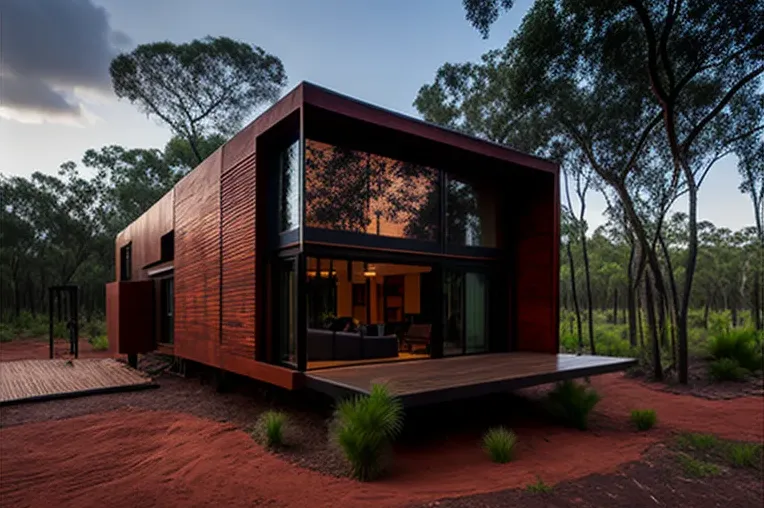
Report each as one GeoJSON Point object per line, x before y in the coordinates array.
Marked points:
{"type": "Point", "coordinates": [290, 197]}
{"type": "Point", "coordinates": [462, 220]}
{"type": "Point", "coordinates": [365, 193]}
{"type": "Point", "coordinates": [336, 188]}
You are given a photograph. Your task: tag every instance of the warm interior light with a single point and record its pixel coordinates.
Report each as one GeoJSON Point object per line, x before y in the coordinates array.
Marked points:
{"type": "Point", "coordinates": [369, 273]}
{"type": "Point", "coordinates": [324, 273]}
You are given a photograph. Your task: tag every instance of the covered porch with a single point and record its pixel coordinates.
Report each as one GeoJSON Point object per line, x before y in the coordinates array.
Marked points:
{"type": "Point", "coordinates": [432, 381]}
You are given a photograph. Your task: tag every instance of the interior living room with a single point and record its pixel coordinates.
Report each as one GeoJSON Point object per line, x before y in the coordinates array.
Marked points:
{"type": "Point", "coordinates": [363, 312]}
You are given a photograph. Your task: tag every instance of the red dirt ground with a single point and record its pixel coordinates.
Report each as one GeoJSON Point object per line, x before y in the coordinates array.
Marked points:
{"type": "Point", "coordinates": [160, 458]}
{"type": "Point", "coordinates": [39, 349]}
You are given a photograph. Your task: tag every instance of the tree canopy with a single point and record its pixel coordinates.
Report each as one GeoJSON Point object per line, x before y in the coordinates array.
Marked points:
{"type": "Point", "coordinates": [202, 88]}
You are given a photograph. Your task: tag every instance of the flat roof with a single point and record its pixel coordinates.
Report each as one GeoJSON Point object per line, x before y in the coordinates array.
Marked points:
{"type": "Point", "coordinates": [420, 382]}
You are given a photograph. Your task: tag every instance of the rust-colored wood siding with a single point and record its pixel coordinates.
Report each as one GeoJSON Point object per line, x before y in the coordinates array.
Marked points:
{"type": "Point", "coordinates": [129, 316]}
{"type": "Point", "coordinates": [145, 236]}
{"type": "Point", "coordinates": [197, 263]}
{"type": "Point", "coordinates": [536, 268]}
{"type": "Point", "coordinates": [237, 187]}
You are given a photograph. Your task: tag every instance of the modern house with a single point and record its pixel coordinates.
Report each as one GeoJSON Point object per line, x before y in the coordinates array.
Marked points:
{"type": "Point", "coordinates": [333, 244]}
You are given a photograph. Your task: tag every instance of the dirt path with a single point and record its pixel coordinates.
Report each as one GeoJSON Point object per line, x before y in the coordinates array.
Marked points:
{"type": "Point", "coordinates": [167, 458]}
{"type": "Point", "coordinates": [132, 456]}
{"type": "Point", "coordinates": [739, 419]}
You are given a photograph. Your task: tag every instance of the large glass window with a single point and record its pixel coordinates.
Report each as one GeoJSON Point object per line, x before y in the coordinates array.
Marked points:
{"type": "Point", "coordinates": [360, 311]}
{"type": "Point", "coordinates": [470, 214]}
{"type": "Point", "coordinates": [361, 192]}
{"type": "Point", "coordinates": [289, 187]}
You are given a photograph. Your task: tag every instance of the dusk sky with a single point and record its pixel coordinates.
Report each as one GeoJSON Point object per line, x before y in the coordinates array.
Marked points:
{"type": "Point", "coordinates": [56, 101]}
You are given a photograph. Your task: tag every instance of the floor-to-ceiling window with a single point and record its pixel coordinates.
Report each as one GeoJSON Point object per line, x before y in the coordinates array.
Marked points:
{"type": "Point", "coordinates": [362, 311]}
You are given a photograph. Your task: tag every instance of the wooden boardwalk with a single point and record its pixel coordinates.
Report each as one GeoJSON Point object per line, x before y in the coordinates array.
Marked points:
{"type": "Point", "coordinates": [34, 380]}
{"type": "Point", "coordinates": [438, 380]}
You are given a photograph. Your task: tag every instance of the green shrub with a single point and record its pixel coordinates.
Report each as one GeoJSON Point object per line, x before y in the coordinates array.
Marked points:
{"type": "Point", "coordinates": [719, 322]}
{"type": "Point", "coordinates": [739, 344]}
{"type": "Point", "coordinates": [539, 487]}
{"type": "Point", "coordinates": [6, 333]}
{"type": "Point", "coordinates": [701, 442]}
{"type": "Point", "coordinates": [695, 467]}
{"type": "Point", "coordinates": [100, 343]}
{"type": "Point", "coordinates": [727, 369]}
{"type": "Point", "coordinates": [60, 331]}
{"type": "Point", "coordinates": [644, 419]}
{"type": "Point", "coordinates": [271, 428]}
{"type": "Point", "coordinates": [745, 454]}
{"type": "Point", "coordinates": [364, 427]}
{"type": "Point", "coordinates": [571, 403]}
{"type": "Point", "coordinates": [95, 328]}
{"type": "Point", "coordinates": [499, 443]}
{"type": "Point", "coordinates": [568, 342]}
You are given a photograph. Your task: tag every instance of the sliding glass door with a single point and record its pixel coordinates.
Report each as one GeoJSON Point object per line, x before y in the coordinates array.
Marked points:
{"type": "Point", "coordinates": [466, 312]}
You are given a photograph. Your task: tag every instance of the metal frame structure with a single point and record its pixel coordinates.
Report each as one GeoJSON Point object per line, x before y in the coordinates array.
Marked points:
{"type": "Point", "coordinates": [65, 300]}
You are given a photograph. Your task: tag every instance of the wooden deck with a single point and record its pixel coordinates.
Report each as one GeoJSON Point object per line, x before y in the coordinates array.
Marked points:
{"type": "Point", "coordinates": [431, 381]}
{"type": "Point", "coordinates": [36, 380]}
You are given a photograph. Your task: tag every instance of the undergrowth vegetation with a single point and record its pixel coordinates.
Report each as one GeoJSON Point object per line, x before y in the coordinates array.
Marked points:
{"type": "Point", "coordinates": [36, 326]}
{"type": "Point", "coordinates": [644, 419]}
{"type": "Point", "coordinates": [270, 428]}
{"type": "Point", "coordinates": [571, 403]}
{"type": "Point", "coordinates": [499, 443]}
{"type": "Point", "coordinates": [728, 353]}
{"type": "Point", "coordinates": [701, 454]}
{"type": "Point", "coordinates": [364, 428]}
{"type": "Point", "coordinates": [99, 343]}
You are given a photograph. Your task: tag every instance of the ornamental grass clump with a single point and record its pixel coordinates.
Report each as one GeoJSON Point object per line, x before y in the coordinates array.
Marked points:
{"type": "Point", "coordinates": [364, 428]}
{"type": "Point", "coordinates": [571, 403]}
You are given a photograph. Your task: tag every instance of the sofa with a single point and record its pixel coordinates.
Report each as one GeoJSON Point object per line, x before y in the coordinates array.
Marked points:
{"type": "Point", "coordinates": [326, 345]}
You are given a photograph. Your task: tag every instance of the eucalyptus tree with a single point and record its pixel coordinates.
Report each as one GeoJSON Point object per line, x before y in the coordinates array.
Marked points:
{"type": "Point", "coordinates": [673, 84]}
{"type": "Point", "coordinates": [204, 87]}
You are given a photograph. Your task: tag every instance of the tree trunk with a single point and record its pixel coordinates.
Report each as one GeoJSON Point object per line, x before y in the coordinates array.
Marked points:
{"type": "Point", "coordinates": [639, 321]}
{"type": "Point", "coordinates": [588, 293]}
{"type": "Point", "coordinates": [651, 324]}
{"type": "Point", "coordinates": [705, 313]}
{"type": "Point", "coordinates": [756, 311]}
{"type": "Point", "coordinates": [575, 297]}
{"type": "Point", "coordinates": [630, 300]}
{"type": "Point", "coordinates": [615, 306]}
{"type": "Point", "coordinates": [733, 311]}
{"type": "Point", "coordinates": [661, 305]}
{"type": "Point", "coordinates": [30, 293]}
{"type": "Point", "coordinates": [689, 272]}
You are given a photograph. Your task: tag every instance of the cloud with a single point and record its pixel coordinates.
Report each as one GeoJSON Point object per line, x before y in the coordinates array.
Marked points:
{"type": "Point", "coordinates": [52, 49]}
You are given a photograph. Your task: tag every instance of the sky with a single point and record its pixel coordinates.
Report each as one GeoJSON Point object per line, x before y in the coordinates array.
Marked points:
{"type": "Point", "coordinates": [56, 101]}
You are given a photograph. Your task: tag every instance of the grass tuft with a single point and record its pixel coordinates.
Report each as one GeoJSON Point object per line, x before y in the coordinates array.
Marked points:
{"type": "Point", "coordinates": [697, 468]}
{"type": "Point", "coordinates": [727, 369]}
{"type": "Point", "coordinates": [100, 343]}
{"type": "Point", "coordinates": [499, 443]}
{"type": "Point", "coordinates": [571, 403]}
{"type": "Point", "coordinates": [539, 487]}
{"type": "Point", "coordinates": [739, 344]}
{"type": "Point", "coordinates": [271, 427]}
{"type": "Point", "coordinates": [745, 454]}
{"type": "Point", "coordinates": [644, 419]}
{"type": "Point", "coordinates": [700, 442]}
{"type": "Point", "coordinates": [364, 428]}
